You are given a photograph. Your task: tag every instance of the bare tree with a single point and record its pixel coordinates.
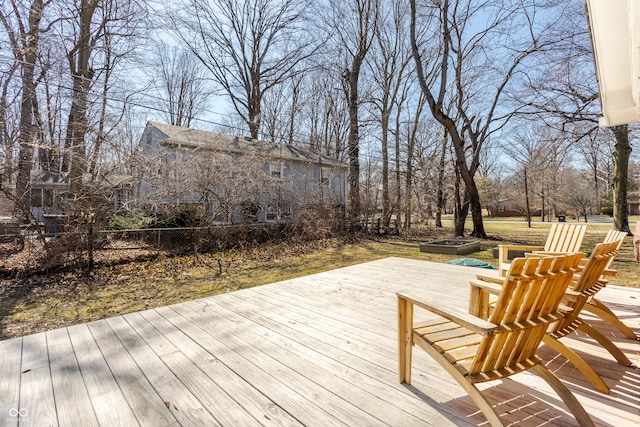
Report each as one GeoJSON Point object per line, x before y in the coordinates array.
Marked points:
{"type": "Point", "coordinates": [596, 149]}
{"type": "Point", "coordinates": [390, 68]}
{"type": "Point", "coordinates": [482, 48]}
{"type": "Point", "coordinates": [352, 23]}
{"type": "Point", "coordinates": [24, 34]}
{"type": "Point", "coordinates": [621, 178]}
{"type": "Point", "coordinates": [50, 113]}
{"type": "Point", "coordinates": [249, 47]}
{"type": "Point", "coordinates": [564, 93]}
{"type": "Point", "coordinates": [415, 133]}
{"type": "Point", "coordinates": [7, 127]}
{"type": "Point", "coordinates": [82, 74]}
{"type": "Point", "coordinates": [275, 115]}
{"type": "Point", "coordinates": [323, 114]}
{"type": "Point", "coordinates": [97, 36]}
{"type": "Point", "coordinates": [182, 85]}
{"type": "Point", "coordinates": [429, 169]}
{"type": "Point", "coordinates": [538, 154]}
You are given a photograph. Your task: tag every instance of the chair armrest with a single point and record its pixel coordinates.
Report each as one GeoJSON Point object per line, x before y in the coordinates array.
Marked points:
{"type": "Point", "coordinates": [453, 314]}
{"type": "Point", "coordinates": [503, 255]}
{"type": "Point", "coordinates": [564, 309]}
{"type": "Point", "coordinates": [570, 296]}
{"type": "Point", "coordinates": [503, 250]}
{"type": "Point", "coordinates": [495, 280]}
{"type": "Point", "coordinates": [522, 247]}
{"type": "Point", "coordinates": [479, 292]}
{"type": "Point", "coordinates": [493, 287]}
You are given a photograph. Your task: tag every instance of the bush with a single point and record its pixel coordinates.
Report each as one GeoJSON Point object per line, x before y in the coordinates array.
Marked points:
{"type": "Point", "coordinates": [184, 219]}
{"type": "Point", "coordinates": [131, 221]}
{"type": "Point", "coordinates": [607, 205]}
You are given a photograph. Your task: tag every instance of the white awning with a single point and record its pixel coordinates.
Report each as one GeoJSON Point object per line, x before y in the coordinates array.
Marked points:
{"type": "Point", "coordinates": [615, 37]}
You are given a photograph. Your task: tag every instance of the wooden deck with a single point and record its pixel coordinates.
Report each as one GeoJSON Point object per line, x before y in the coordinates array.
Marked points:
{"type": "Point", "coordinates": [319, 351]}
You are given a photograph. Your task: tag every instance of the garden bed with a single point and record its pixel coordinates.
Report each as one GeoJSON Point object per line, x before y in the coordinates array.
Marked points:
{"type": "Point", "coordinates": [450, 246]}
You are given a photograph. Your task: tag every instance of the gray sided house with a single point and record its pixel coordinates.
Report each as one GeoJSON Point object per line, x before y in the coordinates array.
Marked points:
{"type": "Point", "coordinates": [49, 193]}
{"type": "Point", "coordinates": [47, 190]}
{"type": "Point", "coordinates": [230, 179]}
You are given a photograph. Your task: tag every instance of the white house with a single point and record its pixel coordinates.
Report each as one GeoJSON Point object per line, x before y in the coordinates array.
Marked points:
{"type": "Point", "coordinates": [234, 179]}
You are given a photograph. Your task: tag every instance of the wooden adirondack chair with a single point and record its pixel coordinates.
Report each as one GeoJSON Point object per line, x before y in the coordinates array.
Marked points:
{"type": "Point", "coordinates": [613, 236]}
{"type": "Point", "coordinates": [584, 285]}
{"type": "Point", "coordinates": [598, 308]}
{"type": "Point", "coordinates": [587, 284]}
{"type": "Point", "coordinates": [473, 350]}
{"type": "Point", "coordinates": [562, 238]}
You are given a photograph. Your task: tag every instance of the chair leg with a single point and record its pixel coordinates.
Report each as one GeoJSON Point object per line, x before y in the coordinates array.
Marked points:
{"type": "Point", "coordinates": [565, 394]}
{"type": "Point", "coordinates": [606, 343]}
{"type": "Point", "coordinates": [596, 307]}
{"type": "Point", "coordinates": [577, 361]}
{"type": "Point", "coordinates": [470, 388]}
{"type": "Point", "coordinates": [405, 343]}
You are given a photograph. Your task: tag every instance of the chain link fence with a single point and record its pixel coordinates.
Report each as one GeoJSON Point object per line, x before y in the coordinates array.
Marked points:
{"type": "Point", "coordinates": [187, 238]}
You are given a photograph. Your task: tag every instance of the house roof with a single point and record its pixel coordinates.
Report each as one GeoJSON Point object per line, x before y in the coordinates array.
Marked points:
{"type": "Point", "coordinates": [199, 139]}
{"type": "Point", "coordinates": [615, 37]}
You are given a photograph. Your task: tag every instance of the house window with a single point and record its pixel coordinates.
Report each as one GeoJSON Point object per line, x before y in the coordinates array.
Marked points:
{"type": "Point", "coordinates": [276, 212]}
{"type": "Point", "coordinates": [272, 213]}
{"type": "Point", "coordinates": [325, 176]}
{"type": "Point", "coordinates": [275, 170]}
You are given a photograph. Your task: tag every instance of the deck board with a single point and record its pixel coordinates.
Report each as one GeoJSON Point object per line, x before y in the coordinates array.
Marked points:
{"type": "Point", "coordinates": [142, 398]}
{"type": "Point", "coordinates": [174, 395]}
{"type": "Point", "coordinates": [68, 384]}
{"type": "Point", "coordinates": [10, 357]}
{"type": "Point", "coordinates": [36, 390]}
{"type": "Point", "coordinates": [109, 404]}
{"type": "Point", "coordinates": [318, 350]}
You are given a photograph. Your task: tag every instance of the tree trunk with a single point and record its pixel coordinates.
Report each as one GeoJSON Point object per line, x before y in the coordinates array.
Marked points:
{"type": "Point", "coordinates": [82, 74]}
{"type": "Point", "coordinates": [5, 138]}
{"type": "Point", "coordinates": [26, 130]}
{"type": "Point", "coordinates": [526, 198]}
{"type": "Point", "coordinates": [76, 131]}
{"type": "Point", "coordinates": [398, 201]}
{"type": "Point", "coordinates": [461, 207]}
{"type": "Point", "coordinates": [386, 202]}
{"type": "Point", "coordinates": [621, 178]}
{"type": "Point", "coordinates": [295, 95]}
{"type": "Point", "coordinates": [408, 183]}
{"type": "Point", "coordinates": [254, 103]}
{"type": "Point", "coordinates": [25, 155]}
{"type": "Point", "coordinates": [473, 195]}
{"type": "Point", "coordinates": [353, 144]}
{"type": "Point", "coordinates": [440, 183]}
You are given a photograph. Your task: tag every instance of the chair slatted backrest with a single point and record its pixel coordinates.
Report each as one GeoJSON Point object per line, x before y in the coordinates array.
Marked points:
{"type": "Point", "coordinates": [615, 236]}
{"type": "Point", "coordinates": [586, 285]}
{"type": "Point", "coordinates": [528, 302]}
{"type": "Point", "coordinates": [565, 238]}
